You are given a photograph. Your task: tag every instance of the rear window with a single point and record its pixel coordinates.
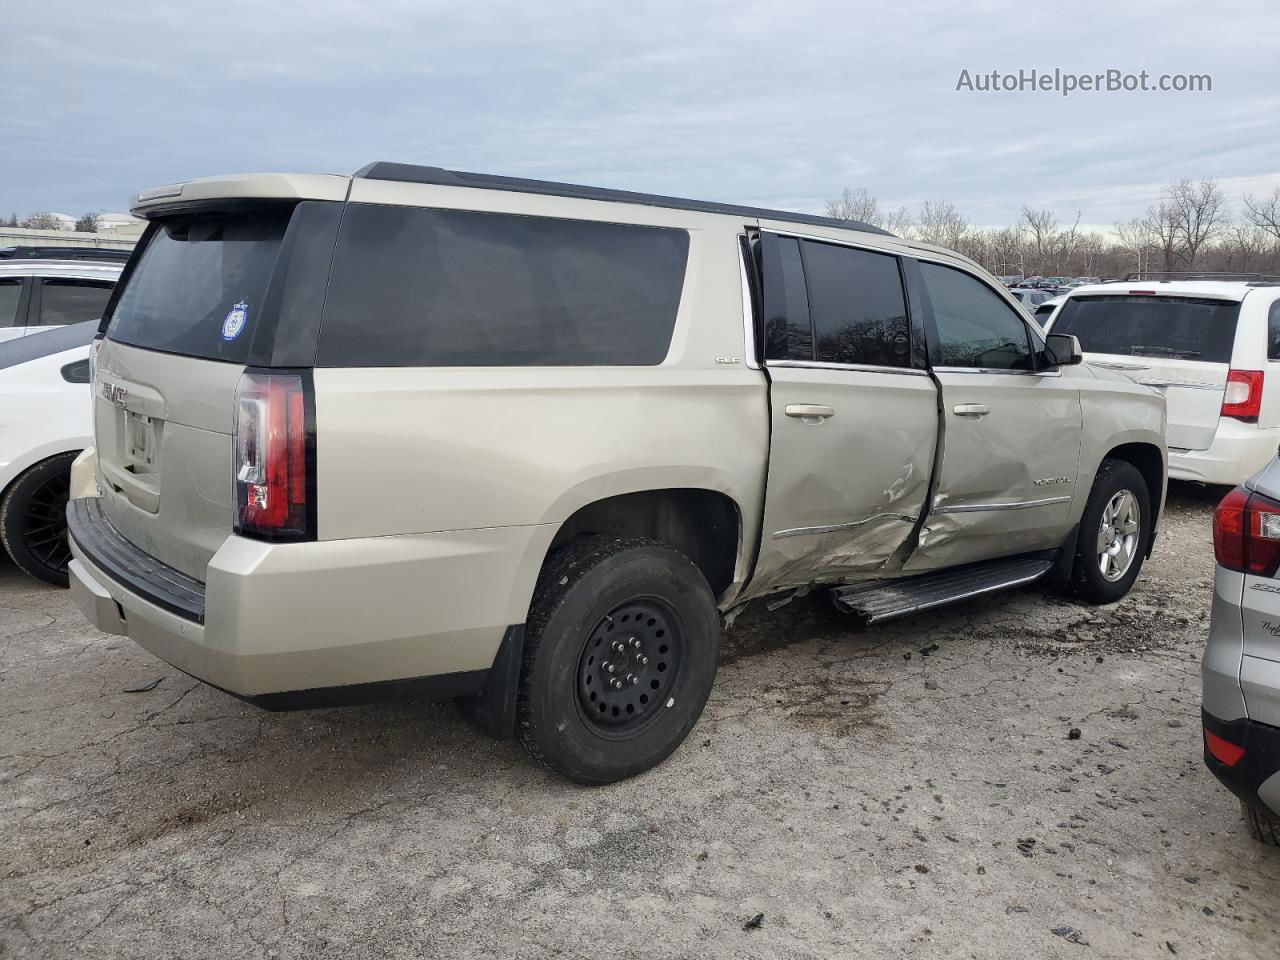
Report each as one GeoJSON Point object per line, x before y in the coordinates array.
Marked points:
{"type": "Point", "coordinates": [1179, 328]}
{"type": "Point", "coordinates": [424, 287]}
{"type": "Point", "coordinates": [200, 284]}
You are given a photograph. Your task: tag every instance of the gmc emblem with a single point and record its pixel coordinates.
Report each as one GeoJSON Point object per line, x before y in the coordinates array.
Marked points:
{"type": "Point", "coordinates": [114, 393]}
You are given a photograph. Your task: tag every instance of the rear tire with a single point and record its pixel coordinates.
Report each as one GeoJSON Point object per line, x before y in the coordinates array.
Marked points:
{"type": "Point", "coordinates": [33, 519]}
{"type": "Point", "coordinates": [1115, 532]}
{"type": "Point", "coordinates": [621, 649]}
{"type": "Point", "coordinates": [1261, 825]}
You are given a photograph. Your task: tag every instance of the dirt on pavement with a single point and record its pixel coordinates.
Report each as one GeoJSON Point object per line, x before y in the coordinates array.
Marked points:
{"type": "Point", "coordinates": [910, 789]}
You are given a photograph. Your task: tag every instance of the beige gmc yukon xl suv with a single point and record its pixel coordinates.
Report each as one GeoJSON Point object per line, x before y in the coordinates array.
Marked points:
{"type": "Point", "coordinates": [418, 432]}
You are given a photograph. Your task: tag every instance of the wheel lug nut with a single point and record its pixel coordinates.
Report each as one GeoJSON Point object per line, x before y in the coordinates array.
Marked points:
{"type": "Point", "coordinates": [617, 645]}
{"type": "Point", "coordinates": [635, 642]}
{"type": "Point", "coordinates": [642, 660]}
{"type": "Point", "coordinates": [611, 668]}
{"type": "Point", "coordinates": [632, 679]}
{"type": "Point", "coordinates": [617, 684]}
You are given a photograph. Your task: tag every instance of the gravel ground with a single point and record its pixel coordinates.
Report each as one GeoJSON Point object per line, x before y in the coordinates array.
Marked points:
{"type": "Point", "coordinates": [903, 790]}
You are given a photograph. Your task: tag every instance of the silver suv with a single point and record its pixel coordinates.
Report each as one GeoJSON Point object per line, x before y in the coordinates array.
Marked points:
{"type": "Point", "coordinates": [525, 443]}
{"type": "Point", "coordinates": [1241, 707]}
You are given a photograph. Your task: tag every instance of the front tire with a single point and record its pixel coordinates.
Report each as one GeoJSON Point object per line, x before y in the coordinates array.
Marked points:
{"type": "Point", "coordinates": [621, 649]}
{"type": "Point", "coordinates": [1115, 533]}
{"type": "Point", "coordinates": [33, 519]}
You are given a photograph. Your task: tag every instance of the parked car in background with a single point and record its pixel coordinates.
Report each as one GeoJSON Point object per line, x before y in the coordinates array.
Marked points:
{"type": "Point", "coordinates": [1029, 297]}
{"type": "Point", "coordinates": [118, 255]}
{"type": "Point", "coordinates": [419, 431]}
{"type": "Point", "coordinates": [44, 424]}
{"type": "Point", "coordinates": [1212, 347]}
{"type": "Point", "coordinates": [1045, 311]}
{"type": "Point", "coordinates": [1241, 669]}
{"type": "Point", "coordinates": [40, 293]}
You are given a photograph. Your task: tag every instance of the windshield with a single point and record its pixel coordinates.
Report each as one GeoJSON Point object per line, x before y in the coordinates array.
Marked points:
{"type": "Point", "coordinates": [1183, 328]}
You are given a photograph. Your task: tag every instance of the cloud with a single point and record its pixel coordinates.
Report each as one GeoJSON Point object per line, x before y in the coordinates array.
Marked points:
{"type": "Point", "coordinates": [742, 101]}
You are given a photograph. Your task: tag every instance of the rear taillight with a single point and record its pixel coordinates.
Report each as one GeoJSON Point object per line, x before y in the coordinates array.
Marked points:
{"type": "Point", "coordinates": [1246, 533]}
{"type": "Point", "coordinates": [274, 457]}
{"type": "Point", "coordinates": [1243, 397]}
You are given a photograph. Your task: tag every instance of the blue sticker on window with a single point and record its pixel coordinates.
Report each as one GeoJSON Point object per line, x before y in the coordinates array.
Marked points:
{"type": "Point", "coordinates": [235, 322]}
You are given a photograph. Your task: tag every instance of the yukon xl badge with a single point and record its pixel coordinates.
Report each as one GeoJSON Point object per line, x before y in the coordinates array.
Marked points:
{"type": "Point", "coordinates": [1049, 480]}
{"type": "Point", "coordinates": [237, 317]}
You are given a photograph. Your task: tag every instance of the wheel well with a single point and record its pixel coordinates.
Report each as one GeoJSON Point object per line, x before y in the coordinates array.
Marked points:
{"type": "Point", "coordinates": [702, 524]}
{"type": "Point", "coordinates": [1145, 457]}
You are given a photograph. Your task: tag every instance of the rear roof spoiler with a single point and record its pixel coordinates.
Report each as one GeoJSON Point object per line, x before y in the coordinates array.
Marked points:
{"type": "Point", "coordinates": [249, 186]}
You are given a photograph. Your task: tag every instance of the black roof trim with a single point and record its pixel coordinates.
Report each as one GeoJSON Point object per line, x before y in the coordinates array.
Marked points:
{"type": "Point", "coordinates": [411, 173]}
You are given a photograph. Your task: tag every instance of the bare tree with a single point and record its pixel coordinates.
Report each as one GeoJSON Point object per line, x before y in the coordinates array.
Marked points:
{"type": "Point", "coordinates": [899, 222]}
{"type": "Point", "coordinates": [42, 221]}
{"type": "Point", "coordinates": [89, 223]}
{"type": "Point", "coordinates": [12, 221]}
{"type": "Point", "coordinates": [1139, 241]}
{"type": "Point", "coordinates": [941, 223]}
{"type": "Point", "coordinates": [855, 205]}
{"type": "Point", "coordinates": [1200, 215]}
{"type": "Point", "coordinates": [1264, 213]}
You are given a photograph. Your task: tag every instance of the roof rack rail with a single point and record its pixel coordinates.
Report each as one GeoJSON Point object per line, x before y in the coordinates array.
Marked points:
{"type": "Point", "coordinates": [411, 173]}
{"type": "Point", "coordinates": [1158, 275]}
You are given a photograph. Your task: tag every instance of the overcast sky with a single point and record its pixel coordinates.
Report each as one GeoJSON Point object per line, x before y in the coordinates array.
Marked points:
{"type": "Point", "coordinates": [779, 103]}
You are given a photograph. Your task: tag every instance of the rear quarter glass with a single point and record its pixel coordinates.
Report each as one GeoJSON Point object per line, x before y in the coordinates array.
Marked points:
{"type": "Point", "coordinates": [413, 286]}
{"type": "Point", "coordinates": [1175, 328]}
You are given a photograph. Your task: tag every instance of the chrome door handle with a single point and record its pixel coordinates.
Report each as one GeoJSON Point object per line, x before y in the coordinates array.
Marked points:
{"type": "Point", "coordinates": [809, 412]}
{"type": "Point", "coordinates": [971, 410]}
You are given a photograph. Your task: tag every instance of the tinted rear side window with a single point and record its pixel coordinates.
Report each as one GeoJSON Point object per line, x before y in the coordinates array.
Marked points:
{"type": "Point", "coordinates": [65, 300]}
{"type": "Point", "coordinates": [424, 287]}
{"type": "Point", "coordinates": [10, 294]}
{"type": "Point", "coordinates": [199, 287]}
{"type": "Point", "coordinates": [1181, 328]}
{"type": "Point", "coordinates": [858, 307]}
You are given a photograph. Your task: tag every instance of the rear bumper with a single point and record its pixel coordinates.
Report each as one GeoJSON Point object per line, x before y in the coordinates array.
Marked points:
{"type": "Point", "coordinates": [1239, 450]}
{"type": "Point", "coordinates": [287, 624]}
{"type": "Point", "coordinates": [1255, 777]}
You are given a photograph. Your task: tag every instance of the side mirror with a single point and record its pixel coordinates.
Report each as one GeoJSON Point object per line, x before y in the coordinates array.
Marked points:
{"type": "Point", "coordinates": [1062, 350]}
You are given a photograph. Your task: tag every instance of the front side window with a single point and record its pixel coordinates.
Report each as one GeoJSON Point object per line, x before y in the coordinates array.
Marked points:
{"type": "Point", "coordinates": [412, 286]}
{"type": "Point", "coordinates": [10, 294]}
{"type": "Point", "coordinates": [65, 300]}
{"type": "Point", "coordinates": [976, 327]}
{"type": "Point", "coordinates": [858, 306]}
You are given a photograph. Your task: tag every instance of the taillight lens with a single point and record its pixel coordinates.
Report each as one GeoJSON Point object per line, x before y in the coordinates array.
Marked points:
{"type": "Point", "coordinates": [1243, 397]}
{"type": "Point", "coordinates": [1246, 533]}
{"type": "Point", "coordinates": [1224, 751]}
{"type": "Point", "coordinates": [274, 457]}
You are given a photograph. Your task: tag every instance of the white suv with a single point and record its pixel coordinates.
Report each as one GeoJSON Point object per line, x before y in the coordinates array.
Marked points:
{"type": "Point", "coordinates": [1210, 346]}
{"type": "Point", "coordinates": [51, 293]}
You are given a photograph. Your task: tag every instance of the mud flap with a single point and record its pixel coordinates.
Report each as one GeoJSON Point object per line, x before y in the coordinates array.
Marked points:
{"type": "Point", "coordinates": [1059, 576]}
{"type": "Point", "coordinates": [493, 709]}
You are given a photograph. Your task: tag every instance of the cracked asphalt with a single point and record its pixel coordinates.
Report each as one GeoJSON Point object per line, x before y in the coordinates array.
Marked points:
{"type": "Point", "coordinates": [904, 790]}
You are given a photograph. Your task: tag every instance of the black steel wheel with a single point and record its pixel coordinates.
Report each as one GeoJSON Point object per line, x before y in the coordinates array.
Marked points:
{"type": "Point", "coordinates": [33, 519]}
{"type": "Point", "coordinates": [630, 657]}
{"type": "Point", "coordinates": [620, 653]}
